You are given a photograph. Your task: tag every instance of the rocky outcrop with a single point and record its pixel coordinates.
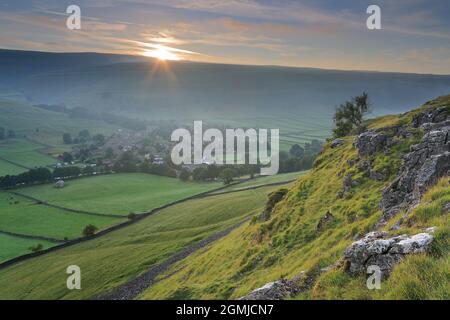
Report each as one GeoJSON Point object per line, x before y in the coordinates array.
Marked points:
{"type": "Point", "coordinates": [326, 219]}
{"type": "Point", "coordinates": [272, 200]}
{"type": "Point", "coordinates": [446, 207]}
{"type": "Point", "coordinates": [430, 116]}
{"type": "Point", "coordinates": [277, 290]}
{"type": "Point", "coordinates": [337, 143]}
{"type": "Point", "coordinates": [284, 288]}
{"type": "Point", "coordinates": [370, 142]}
{"type": "Point", "coordinates": [423, 165]}
{"type": "Point", "coordinates": [376, 249]}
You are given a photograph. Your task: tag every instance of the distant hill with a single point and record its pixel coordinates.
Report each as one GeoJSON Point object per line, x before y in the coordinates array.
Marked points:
{"type": "Point", "coordinates": [186, 90]}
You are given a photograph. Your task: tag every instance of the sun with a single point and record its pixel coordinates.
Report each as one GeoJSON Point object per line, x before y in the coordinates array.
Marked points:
{"type": "Point", "coordinates": [162, 54]}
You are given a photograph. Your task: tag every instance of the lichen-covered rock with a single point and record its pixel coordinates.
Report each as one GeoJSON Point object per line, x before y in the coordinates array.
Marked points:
{"type": "Point", "coordinates": [277, 290]}
{"type": "Point", "coordinates": [375, 175]}
{"type": "Point", "coordinates": [364, 166]}
{"type": "Point", "coordinates": [348, 182]}
{"type": "Point", "coordinates": [272, 200]}
{"type": "Point", "coordinates": [370, 142]}
{"type": "Point", "coordinates": [337, 143]}
{"type": "Point", "coordinates": [327, 218]}
{"type": "Point", "coordinates": [430, 116]}
{"type": "Point", "coordinates": [376, 249]}
{"type": "Point", "coordinates": [423, 165]}
{"type": "Point", "coordinates": [446, 207]}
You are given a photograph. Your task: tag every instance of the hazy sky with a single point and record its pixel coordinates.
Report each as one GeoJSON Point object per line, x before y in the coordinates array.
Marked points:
{"type": "Point", "coordinates": [306, 33]}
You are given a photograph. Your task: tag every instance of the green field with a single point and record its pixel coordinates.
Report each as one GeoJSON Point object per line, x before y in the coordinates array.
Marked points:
{"type": "Point", "coordinates": [119, 193]}
{"type": "Point", "coordinates": [19, 215]}
{"type": "Point", "coordinates": [11, 246]}
{"type": "Point", "coordinates": [25, 153]}
{"type": "Point", "coordinates": [7, 168]}
{"type": "Point", "coordinates": [125, 253]}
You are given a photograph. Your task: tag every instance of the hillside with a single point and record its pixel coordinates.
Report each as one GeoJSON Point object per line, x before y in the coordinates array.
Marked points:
{"type": "Point", "coordinates": [331, 207]}
{"type": "Point", "coordinates": [263, 96]}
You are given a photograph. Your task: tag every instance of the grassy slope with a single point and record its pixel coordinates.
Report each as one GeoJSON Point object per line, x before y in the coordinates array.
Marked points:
{"type": "Point", "coordinates": [11, 247]}
{"type": "Point", "coordinates": [114, 258]}
{"type": "Point", "coordinates": [288, 244]}
{"type": "Point", "coordinates": [19, 215]}
{"type": "Point", "coordinates": [119, 193]}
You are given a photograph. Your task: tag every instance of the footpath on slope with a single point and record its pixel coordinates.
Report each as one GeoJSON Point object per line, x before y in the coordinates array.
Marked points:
{"type": "Point", "coordinates": [136, 286]}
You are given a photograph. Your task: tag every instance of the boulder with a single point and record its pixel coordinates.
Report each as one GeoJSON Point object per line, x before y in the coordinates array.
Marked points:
{"type": "Point", "coordinates": [327, 218]}
{"type": "Point", "coordinates": [375, 175]}
{"type": "Point", "coordinates": [60, 184]}
{"type": "Point", "coordinates": [446, 207]}
{"type": "Point", "coordinates": [370, 142]}
{"type": "Point", "coordinates": [337, 143]}
{"type": "Point", "coordinates": [277, 290]}
{"type": "Point", "coordinates": [376, 249]}
{"type": "Point", "coordinates": [348, 182]}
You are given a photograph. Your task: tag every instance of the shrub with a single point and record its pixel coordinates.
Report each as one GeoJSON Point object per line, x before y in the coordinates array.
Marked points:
{"type": "Point", "coordinates": [131, 216]}
{"type": "Point", "coordinates": [89, 230]}
{"type": "Point", "coordinates": [36, 248]}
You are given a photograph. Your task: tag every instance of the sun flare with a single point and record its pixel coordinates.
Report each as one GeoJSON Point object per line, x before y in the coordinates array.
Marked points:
{"type": "Point", "coordinates": [162, 54]}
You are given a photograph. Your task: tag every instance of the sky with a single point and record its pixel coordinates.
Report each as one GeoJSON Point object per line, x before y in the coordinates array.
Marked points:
{"type": "Point", "coordinates": [329, 34]}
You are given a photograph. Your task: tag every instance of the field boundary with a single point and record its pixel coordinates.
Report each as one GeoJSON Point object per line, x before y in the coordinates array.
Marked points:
{"type": "Point", "coordinates": [31, 237]}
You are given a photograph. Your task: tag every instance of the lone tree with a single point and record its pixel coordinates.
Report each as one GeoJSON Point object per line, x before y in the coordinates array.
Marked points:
{"type": "Point", "coordinates": [349, 115]}
{"type": "Point", "coordinates": [67, 138]}
{"type": "Point", "coordinates": [227, 175]}
{"type": "Point", "coordinates": [185, 175]}
{"type": "Point", "coordinates": [36, 248]}
{"type": "Point", "coordinates": [89, 230]}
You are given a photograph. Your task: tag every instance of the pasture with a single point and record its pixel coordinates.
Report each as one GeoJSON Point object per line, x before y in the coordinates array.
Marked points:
{"type": "Point", "coordinates": [7, 168]}
{"type": "Point", "coordinates": [25, 153]}
{"type": "Point", "coordinates": [119, 193]}
{"type": "Point", "coordinates": [23, 216]}
{"type": "Point", "coordinates": [11, 246]}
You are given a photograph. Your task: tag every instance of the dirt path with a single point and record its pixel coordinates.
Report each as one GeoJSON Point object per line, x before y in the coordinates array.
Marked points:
{"type": "Point", "coordinates": [136, 286]}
